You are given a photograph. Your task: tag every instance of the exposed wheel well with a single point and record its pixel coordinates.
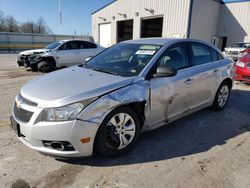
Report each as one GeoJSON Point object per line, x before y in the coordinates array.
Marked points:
{"type": "Point", "coordinates": [139, 108]}
{"type": "Point", "coordinates": [50, 60]}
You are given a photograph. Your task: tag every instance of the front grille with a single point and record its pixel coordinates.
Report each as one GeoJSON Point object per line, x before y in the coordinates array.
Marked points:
{"type": "Point", "coordinates": [246, 77]}
{"type": "Point", "coordinates": [26, 101]}
{"type": "Point", "coordinates": [21, 114]}
{"type": "Point", "coordinates": [234, 53]}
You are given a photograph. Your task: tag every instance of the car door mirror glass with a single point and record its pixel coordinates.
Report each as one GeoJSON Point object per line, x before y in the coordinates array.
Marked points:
{"type": "Point", "coordinates": [163, 71]}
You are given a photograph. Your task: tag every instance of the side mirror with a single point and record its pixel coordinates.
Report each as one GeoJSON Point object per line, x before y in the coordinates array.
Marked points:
{"type": "Point", "coordinates": [163, 71]}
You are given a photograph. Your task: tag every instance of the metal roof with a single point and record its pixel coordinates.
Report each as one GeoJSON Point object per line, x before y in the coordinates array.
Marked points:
{"type": "Point", "coordinates": [103, 7]}
{"type": "Point", "coordinates": [222, 1]}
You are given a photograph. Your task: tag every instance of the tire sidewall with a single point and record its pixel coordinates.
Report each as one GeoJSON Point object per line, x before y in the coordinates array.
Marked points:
{"type": "Point", "coordinates": [216, 105]}
{"type": "Point", "coordinates": [43, 63]}
{"type": "Point", "coordinates": [101, 145]}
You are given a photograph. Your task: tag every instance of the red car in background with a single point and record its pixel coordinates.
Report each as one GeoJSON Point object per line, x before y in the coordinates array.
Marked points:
{"type": "Point", "coordinates": [242, 72]}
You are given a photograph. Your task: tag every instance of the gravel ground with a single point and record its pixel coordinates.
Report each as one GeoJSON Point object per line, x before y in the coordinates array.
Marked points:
{"type": "Point", "coordinates": [206, 149]}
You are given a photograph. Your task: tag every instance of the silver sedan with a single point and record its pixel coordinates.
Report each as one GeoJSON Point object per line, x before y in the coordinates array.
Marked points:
{"type": "Point", "coordinates": [105, 103]}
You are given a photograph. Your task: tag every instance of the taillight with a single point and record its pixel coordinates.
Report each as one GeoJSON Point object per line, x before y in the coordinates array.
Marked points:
{"type": "Point", "coordinates": [239, 63]}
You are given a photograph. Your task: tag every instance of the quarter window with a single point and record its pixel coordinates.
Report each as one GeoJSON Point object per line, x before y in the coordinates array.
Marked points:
{"type": "Point", "coordinates": [201, 54]}
{"type": "Point", "coordinates": [175, 57]}
{"type": "Point", "coordinates": [215, 55]}
{"type": "Point", "coordinates": [85, 45]}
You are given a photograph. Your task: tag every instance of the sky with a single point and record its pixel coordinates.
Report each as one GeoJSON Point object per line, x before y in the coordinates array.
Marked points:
{"type": "Point", "coordinates": [76, 14]}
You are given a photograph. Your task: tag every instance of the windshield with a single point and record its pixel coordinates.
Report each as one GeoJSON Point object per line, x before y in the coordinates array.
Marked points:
{"type": "Point", "coordinates": [123, 59]}
{"type": "Point", "coordinates": [53, 45]}
{"type": "Point", "coordinates": [241, 45]}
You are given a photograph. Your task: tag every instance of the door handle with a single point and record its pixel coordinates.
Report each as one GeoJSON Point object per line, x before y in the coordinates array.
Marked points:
{"type": "Point", "coordinates": [188, 81]}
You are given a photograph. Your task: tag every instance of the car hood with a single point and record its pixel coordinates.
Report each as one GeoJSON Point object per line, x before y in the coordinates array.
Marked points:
{"type": "Point", "coordinates": [71, 85]}
{"type": "Point", "coordinates": [229, 49]}
{"type": "Point", "coordinates": [29, 52]}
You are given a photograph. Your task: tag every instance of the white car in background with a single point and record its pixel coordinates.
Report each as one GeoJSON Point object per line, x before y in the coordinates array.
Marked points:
{"type": "Point", "coordinates": [236, 50]}
{"type": "Point", "coordinates": [63, 53]}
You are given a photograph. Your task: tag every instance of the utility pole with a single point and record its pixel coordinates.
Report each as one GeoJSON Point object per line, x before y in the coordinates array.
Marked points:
{"type": "Point", "coordinates": [60, 16]}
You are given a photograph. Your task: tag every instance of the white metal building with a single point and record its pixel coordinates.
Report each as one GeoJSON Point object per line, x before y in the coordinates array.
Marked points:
{"type": "Point", "coordinates": [216, 21]}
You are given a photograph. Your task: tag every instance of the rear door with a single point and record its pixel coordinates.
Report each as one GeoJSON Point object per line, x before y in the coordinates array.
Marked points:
{"type": "Point", "coordinates": [205, 70]}
{"type": "Point", "coordinates": [87, 49]}
{"type": "Point", "coordinates": [68, 54]}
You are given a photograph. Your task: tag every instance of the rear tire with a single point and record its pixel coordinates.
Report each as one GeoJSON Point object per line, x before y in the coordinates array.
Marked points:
{"type": "Point", "coordinates": [118, 132]}
{"type": "Point", "coordinates": [45, 66]}
{"type": "Point", "coordinates": [222, 96]}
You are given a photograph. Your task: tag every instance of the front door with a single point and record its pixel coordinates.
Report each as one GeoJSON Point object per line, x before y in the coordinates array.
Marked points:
{"type": "Point", "coordinates": [170, 96]}
{"type": "Point", "coordinates": [68, 54]}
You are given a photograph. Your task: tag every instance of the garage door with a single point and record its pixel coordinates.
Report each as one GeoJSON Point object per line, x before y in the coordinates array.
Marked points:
{"type": "Point", "coordinates": [151, 27]}
{"type": "Point", "coordinates": [105, 35]}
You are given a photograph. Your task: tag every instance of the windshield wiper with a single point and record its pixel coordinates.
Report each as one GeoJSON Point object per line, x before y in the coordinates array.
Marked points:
{"type": "Point", "coordinates": [99, 69]}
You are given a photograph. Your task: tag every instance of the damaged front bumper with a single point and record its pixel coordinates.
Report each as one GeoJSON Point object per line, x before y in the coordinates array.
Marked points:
{"type": "Point", "coordinates": [28, 61]}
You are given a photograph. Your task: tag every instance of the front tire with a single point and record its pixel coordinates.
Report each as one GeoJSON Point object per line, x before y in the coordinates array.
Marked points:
{"type": "Point", "coordinates": [118, 132]}
{"type": "Point", "coordinates": [222, 96]}
{"type": "Point", "coordinates": [45, 66]}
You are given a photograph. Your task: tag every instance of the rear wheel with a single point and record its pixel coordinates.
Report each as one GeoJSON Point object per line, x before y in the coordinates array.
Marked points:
{"type": "Point", "coordinates": [118, 133]}
{"type": "Point", "coordinates": [222, 96]}
{"type": "Point", "coordinates": [45, 66]}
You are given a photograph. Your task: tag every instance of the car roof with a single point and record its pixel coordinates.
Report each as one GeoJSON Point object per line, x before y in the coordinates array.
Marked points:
{"type": "Point", "coordinates": [66, 40]}
{"type": "Point", "coordinates": [164, 41]}
{"type": "Point", "coordinates": [156, 41]}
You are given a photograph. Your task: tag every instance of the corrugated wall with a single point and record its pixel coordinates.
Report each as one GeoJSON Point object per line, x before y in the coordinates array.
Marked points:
{"type": "Point", "coordinates": [235, 22]}
{"type": "Point", "coordinates": [175, 14]}
{"type": "Point", "coordinates": [205, 18]}
{"type": "Point", "coordinates": [12, 42]}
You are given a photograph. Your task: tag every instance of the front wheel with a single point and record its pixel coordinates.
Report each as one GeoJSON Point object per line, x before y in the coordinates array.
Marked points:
{"type": "Point", "coordinates": [45, 66]}
{"type": "Point", "coordinates": [222, 96]}
{"type": "Point", "coordinates": [118, 133]}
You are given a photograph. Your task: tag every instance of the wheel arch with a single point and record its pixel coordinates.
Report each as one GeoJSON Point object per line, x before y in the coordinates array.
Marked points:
{"type": "Point", "coordinates": [228, 80]}
{"type": "Point", "coordinates": [139, 108]}
{"type": "Point", "coordinates": [50, 59]}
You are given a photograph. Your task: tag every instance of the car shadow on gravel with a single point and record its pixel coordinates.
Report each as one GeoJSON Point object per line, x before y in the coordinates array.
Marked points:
{"type": "Point", "coordinates": [190, 135]}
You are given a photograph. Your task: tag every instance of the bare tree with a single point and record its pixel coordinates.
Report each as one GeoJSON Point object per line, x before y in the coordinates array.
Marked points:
{"type": "Point", "coordinates": [40, 26]}
{"type": "Point", "coordinates": [28, 27]}
{"type": "Point", "coordinates": [11, 24]}
{"type": "Point", "coordinates": [2, 22]}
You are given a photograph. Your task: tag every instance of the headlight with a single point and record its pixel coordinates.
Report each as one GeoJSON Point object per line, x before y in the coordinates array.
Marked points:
{"type": "Point", "coordinates": [240, 64]}
{"type": "Point", "coordinates": [64, 113]}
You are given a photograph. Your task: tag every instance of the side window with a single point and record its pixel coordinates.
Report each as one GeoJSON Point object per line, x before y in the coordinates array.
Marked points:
{"type": "Point", "coordinates": [215, 55]}
{"type": "Point", "coordinates": [86, 45]}
{"type": "Point", "coordinates": [90, 45]}
{"type": "Point", "coordinates": [63, 46]}
{"type": "Point", "coordinates": [175, 57]}
{"type": "Point", "coordinates": [72, 45]}
{"type": "Point", "coordinates": [220, 57]}
{"type": "Point", "coordinates": [201, 54]}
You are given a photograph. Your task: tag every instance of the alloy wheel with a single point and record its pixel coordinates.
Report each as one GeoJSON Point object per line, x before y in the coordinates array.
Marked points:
{"type": "Point", "coordinates": [120, 131]}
